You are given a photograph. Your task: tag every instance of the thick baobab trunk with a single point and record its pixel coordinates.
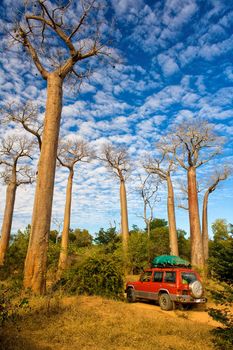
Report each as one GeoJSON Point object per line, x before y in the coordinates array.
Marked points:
{"type": "Point", "coordinates": [194, 220]}
{"type": "Point", "coordinates": [205, 236]}
{"type": "Point", "coordinates": [66, 227]}
{"type": "Point", "coordinates": [36, 259]}
{"type": "Point", "coordinates": [171, 218]}
{"type": "Point", "coordinates": [7, 220]}
{"type": "Point", "coordinates": [124, 218]}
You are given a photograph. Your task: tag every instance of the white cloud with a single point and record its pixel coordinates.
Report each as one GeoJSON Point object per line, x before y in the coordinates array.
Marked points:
{"type": "Point", "coordinates": [168, 65]}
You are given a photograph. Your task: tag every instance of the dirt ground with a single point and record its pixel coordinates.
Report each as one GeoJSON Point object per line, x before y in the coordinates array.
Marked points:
{"type": "Point", "coordinates": [152, 310]}
{"type": "Point", "coordinates": [196, 314]}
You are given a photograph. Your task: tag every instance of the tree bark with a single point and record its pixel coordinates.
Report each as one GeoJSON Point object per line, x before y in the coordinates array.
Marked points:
{"type": "Point", "coordinates": [36, 259]}
{"type": "Point", "coordinates": [124, 217]}
{"type": "Point", "coordinates": [7, 220]}
{"type": "Point", "coordinates": [197, 257]}
{"type": "Point", "coordinates": [205, 236]}
{"type": "Point", "coordinates": [171, 218]}
{"type": "Point", "coordinates": [66, 227]}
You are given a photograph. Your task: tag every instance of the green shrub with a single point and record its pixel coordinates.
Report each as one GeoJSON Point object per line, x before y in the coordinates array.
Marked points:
{"type": "Point", "coordinates": [221, 267]}
{"type": "Point", "coordinates": [10, 308]}
{"type": "Point", "coordinates": [96, 275]}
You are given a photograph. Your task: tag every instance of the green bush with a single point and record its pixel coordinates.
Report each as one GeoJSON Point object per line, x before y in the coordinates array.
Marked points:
{"type": "Point", "coordinates": [221, 267]}
{"type": "Point", "coordinates": [10, 308]}
{"type": "Point", "coordinates": [96, 275]}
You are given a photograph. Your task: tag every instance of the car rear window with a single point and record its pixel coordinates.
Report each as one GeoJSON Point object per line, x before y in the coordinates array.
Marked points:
{"type": "Point", "coordinates": [188, 277]}
{"type": "Point", "coordinates": [170, 276]}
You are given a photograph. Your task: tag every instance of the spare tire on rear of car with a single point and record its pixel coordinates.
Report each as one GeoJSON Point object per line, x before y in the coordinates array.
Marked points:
{"type": "Point", "coordinates": [196, 289]}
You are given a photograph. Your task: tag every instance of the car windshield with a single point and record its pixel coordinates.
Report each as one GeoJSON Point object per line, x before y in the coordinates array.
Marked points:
{"type": "Point", "coordinates": [188, 277]}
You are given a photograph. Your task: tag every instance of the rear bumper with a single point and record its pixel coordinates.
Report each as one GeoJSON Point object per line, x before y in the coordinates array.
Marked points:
{"type": "Point", "coordinates": [187, 299]}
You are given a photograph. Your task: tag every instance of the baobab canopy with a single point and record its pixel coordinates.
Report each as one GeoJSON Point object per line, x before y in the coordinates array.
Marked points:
{"type": "Point", "coordinates": [169, 260]}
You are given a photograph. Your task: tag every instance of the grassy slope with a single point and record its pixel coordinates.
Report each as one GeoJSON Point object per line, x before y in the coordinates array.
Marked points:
{"type": "Point", "coordinates": [99, 324]}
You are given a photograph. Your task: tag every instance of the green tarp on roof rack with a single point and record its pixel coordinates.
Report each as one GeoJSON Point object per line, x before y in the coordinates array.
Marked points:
{"type": "Point", "coordinates": [169, 260]}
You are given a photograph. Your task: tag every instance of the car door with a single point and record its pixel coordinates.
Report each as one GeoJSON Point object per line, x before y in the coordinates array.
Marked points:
{"type": "Point", "coordinates": [142, 288]}
{"type": "Point", "coordinates": [156, 284]}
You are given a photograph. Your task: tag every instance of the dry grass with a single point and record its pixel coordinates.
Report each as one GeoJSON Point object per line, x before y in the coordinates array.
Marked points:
{"type": "Point", "coordinates": [98, 324]}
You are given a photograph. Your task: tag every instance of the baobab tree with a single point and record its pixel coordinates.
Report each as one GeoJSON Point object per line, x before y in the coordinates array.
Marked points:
{"type": "Point", "coordinates": [163, 166]}
{"type": "Point", "coordinates": [15, 172]}
{"type": "Point", "coordinates": [117, 161]}
{"type": "Point", "coordinates": [70, 152]}
{"type": "Point", "coordinates": [25, 114]}
{"type": "Point", "coordinates": [219, 176]}
{"type": "Point", "coordinates": [55, 45]}
{"type": "Point", "coordinates": [195, 144]}
{"type": "Point", "coordinates": [148, 189]}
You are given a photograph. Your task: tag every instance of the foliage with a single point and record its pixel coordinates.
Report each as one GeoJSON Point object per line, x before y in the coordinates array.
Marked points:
{"type": "Point", "coordinates": [15, 257]}
{"type": "Point", "coordinates": [82, 238]}
{"type": "Point", "coordinates": [53, 236]}
{"type": "Point", "coordinates": [53, 255]}
{"type": "Point", "coordinates": [158, 223]}
{"type": "Point", "coordinates": [221, 267]}
{"type": "Point", "coordinates": [159, 243]}
{"type": "Point", "coordinates": [101, 274]}
{"type": "Point", "coordinates": [142, 250]}
{"type": "Point", "coordinates": [9, 309]}
{"type": "Point", "coordinates": [138, 250]}
{"type": "Point", "coordinates": [221, 252]}
{"type": "Point", "coordinates": [183, 245]}
{"type": "Point", "coordinates": [109, 239]}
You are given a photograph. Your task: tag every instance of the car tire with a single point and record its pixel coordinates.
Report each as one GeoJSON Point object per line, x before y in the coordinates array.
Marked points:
{"type": "Point", "coordinates": [131, 298]}
{"type": "Point", "coordinates": [196, 289]}
{"type": "Point", "coordinates": [165, 302]}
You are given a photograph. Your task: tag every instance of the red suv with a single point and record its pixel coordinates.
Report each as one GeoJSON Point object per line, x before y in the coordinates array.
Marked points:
{"type": "Point", "coordinates": [169, 286]}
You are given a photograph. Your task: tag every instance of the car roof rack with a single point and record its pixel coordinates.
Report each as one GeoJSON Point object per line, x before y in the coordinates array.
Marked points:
{"type": "Point", "coordinates": [171, 266]}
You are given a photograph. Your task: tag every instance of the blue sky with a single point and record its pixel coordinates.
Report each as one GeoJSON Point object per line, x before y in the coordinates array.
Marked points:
{"type": "Point", "coordinates": [174, 63]}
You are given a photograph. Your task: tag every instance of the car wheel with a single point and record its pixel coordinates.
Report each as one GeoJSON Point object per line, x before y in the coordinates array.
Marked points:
{"type": "Point", "coordinates": [165, 302]}
{"type": "Point", "coordinates": [131, 295]}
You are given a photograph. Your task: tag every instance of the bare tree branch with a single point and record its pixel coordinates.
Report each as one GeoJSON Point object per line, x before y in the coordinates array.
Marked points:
{"type": "Point", "coordinates": [25, 114]}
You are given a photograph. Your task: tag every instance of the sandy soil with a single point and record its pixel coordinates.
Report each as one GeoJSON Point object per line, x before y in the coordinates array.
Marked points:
{"type": "Point", "coordinates": [151, 310]}
{"type": "Point", "coordinates": [195, 314]}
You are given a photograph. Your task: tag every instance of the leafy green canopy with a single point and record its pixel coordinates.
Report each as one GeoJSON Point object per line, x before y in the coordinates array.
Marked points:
{"type": "Point", "coordinates": [221, 267]}
{"type": "Point", "coordinates": [101, 274]}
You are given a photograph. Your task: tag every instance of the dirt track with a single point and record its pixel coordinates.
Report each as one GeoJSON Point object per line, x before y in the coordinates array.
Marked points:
{"type": "Point", "coordinates": [196, 315]}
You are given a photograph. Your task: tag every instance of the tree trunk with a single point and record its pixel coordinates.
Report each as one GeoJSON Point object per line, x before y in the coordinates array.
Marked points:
{"type": "Point", "coordinates": [124, 218]}
{"type": "Point", "coordinates": [66, 227]}
{"type": "Point", "coordinates": [7, 220]}
{"type": "Point", "coordinates": [171, 218]}
{"type": "Point", "coordinates": [36, 259]}
{"type": "Point", "coordinates": [205, 236]}
{"type": "Point", "coordinates": [194, 220]}
{"type": "Point", "coordinates": [148, 227]}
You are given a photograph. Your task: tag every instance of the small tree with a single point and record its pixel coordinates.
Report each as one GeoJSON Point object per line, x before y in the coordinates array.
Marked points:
{"type": "Point", "coordinates": [195, 144]}
{"type": "Point", "coordinates": [148, 189]}
{"type": "Point", "coordinates": [218, 177]}
{"type": "Point", "coordinates": [163, 166]}
{"type": "Point", "coordinates": [69, 154]}
{"type": "Point", "coordinates": [15, 173]}
{"type": "Point", "coordinates": [117, 160]}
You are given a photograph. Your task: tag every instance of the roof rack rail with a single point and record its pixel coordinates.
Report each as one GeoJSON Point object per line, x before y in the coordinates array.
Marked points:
{"type": "Point", "coordinates": [171, 266]}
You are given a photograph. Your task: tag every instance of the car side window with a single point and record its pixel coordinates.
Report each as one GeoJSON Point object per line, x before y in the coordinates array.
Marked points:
{"type": "Point", "coordinates": [145, 277]}
{"type": "Point", "coordinates": [170, 276]}
{"type": "Point", "coordinates": [158, 276]}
